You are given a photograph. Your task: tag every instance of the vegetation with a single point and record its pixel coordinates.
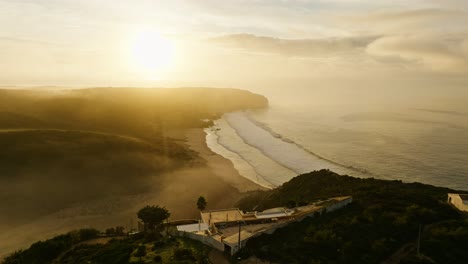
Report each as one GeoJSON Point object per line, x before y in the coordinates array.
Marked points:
{"type": "Point", "coordinates": [133, 249]}
{"type": "Point", "coordinates": [114, 252]}
{"type": "Point", "coordinates": [201, 203]}
{"type": "Point", "coordinates": [153, 216]}
{"type": "Point", "coordinates": [46, 251]}
{"type": "Point", "coordinates": [117, 231]}
{"type": "Point", "coordinates": [446, 242]}
{"type": "Point", "coordinates": [384, 216]}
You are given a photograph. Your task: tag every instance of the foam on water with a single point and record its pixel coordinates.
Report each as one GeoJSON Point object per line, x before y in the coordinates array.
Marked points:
{"type": "Point", "coordinates": [260, 154]}
{"type": "Point", "coordinates": [241, 165]}
{"type": "Point", "coordinates": [249, 161]}
{"type": "Point", "coordinates": [284, 152]}
{"type": "Point", "coordinates": [397, 143]}
{"type": "Point", "coordinates": [274, 145]}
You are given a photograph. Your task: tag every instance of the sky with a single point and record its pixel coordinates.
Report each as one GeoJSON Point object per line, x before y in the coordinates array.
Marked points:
{"type": "Point", "coordinates": [234, 43]}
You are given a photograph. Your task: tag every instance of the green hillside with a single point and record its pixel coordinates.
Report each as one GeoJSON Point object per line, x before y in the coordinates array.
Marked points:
{"type": "Point", "coordinates": [85, 246]}
{"type": "Point", "coordinates": [384, 216]}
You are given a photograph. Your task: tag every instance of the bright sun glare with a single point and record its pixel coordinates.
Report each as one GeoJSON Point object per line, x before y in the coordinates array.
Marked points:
{"type": "Point", "coordinates": [152, 53]}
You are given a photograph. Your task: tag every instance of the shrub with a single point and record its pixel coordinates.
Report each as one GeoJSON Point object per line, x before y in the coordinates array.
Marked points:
{"type": "Point", "coordinates": [184, 254]}
{"type": "Point", "coordinates": [141, 251]}
{"type": "Point", "coordinates": [158, 244]}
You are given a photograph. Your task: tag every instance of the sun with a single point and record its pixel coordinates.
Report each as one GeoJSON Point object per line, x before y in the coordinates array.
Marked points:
{"type": "Point", "coordinates": [152, 53]}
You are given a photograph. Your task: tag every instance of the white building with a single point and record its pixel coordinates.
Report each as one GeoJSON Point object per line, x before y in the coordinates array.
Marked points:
{"type": "Point", "coordinates": [460, 201]}
{"type": "Point", "coordinates": [227, 229]}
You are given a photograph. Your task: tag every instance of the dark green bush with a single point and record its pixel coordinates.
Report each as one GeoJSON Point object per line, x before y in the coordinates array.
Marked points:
{"type": "Point", "coordinates": [184, 254]}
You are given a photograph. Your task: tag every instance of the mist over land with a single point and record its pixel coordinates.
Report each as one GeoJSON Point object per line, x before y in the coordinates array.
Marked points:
{"type": "Point", "coordinates": [74, 158]}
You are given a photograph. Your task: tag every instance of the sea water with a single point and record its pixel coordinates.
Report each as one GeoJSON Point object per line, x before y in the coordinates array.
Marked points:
{"type": "Point", "coordinates": [423, 142]}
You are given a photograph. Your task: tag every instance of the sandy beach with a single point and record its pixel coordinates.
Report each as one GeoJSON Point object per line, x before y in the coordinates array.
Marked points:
{"type": "Point", "coordinates": [212, 176]}
{"type": "Point", "coordinates": [220, 166]}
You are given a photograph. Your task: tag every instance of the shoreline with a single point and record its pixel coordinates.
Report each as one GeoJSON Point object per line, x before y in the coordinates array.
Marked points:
{"type": "Point", "coordinates": [220, 166]}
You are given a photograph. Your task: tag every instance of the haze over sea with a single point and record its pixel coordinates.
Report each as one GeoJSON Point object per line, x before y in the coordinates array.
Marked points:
{"type": "Point", "coordinates": [413, 135]}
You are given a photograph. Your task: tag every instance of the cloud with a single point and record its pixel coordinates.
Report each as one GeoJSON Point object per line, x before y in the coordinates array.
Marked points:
{"type": "Point", "coordinates": [305, 48]}
{"type": "Point", "coordinates": [406, 21]}
{"type": "Point", "coordinates": [427, 14]}
{"type": "Point", "coordinates": [435, 52]}
{"type": "Point", "coordinates": [438, 52]}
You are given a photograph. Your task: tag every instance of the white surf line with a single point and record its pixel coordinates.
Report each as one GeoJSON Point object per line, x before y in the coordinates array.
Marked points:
{"type": "Point", "coordinates": [240, 164]}
{"type": "Point", "coordinates": [287, 154]}
{"type": "Point", "coordinates": [265, 167]}
{"type": "Point", "coordinates": [271, 170]}
{"type": "Point", "coordinates": [287, 140]}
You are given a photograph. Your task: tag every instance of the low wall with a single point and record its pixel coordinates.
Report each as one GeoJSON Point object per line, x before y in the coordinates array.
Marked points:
{"type": "Point", "coordinates": [339, 205]}
{"type": "Point", "coordinates": [207, 240]}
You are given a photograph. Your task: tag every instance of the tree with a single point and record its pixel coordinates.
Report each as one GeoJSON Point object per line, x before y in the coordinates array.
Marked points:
{"type": "Point", "coordinates": [201, 203]}
{"type": "Point", "coordinates": [119, 230]}
{"type": "Point", "coordinates": [110, 231]}
{"type": "Point", "coordinates": [153, 216]}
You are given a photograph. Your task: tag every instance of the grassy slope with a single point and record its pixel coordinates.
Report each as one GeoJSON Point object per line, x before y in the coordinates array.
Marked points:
{"type": "Point", "coordinates": [384, 216]}
{"type": "Point", "coordinates": [44, 170]}
{"type": "Point", "coordinates": [62, 146]}
{"type": "Point", "coordinates": [76, 247]}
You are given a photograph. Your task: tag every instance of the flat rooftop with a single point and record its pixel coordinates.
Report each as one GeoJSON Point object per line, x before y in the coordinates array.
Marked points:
{"type": "Point", "coordinates": [234, 239]}
{"type": "Point", "coordinates": [464, 197]}
{"type": "Point", "coordinates": [193, 227]}
{"type": "Point", "coordinates": [220, 216]}
{"type": "Point", "coordinates": [255, 228]}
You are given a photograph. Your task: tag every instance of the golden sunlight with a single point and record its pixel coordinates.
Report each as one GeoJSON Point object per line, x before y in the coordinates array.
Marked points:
{"type": "Point", "coordinates": [152, 53]}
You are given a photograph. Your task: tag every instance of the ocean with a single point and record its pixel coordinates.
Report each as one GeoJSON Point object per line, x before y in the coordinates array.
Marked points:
{"type": "Point", "coordinates": [402, 136]}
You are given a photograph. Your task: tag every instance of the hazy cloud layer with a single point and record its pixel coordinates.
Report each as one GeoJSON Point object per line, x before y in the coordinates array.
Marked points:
{"type": "Point", "coordinates": [76, 42]}
{"type": "Point", "coordinates": [435, 52]}
{"type": "Point", "coordinates": [294, 47]}
{"type": "Point", "coordinates": [406, 21]}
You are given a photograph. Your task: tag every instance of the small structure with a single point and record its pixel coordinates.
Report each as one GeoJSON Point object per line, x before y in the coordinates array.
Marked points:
{"type": "Point", "coordinates": [221, 216]}
{"type": "Point", "coordinates": [231, 243]}
{"type": "Point", "coordinates": [274, 213]}
{"type": "Point", "coordinates": [460, 201]}
{"type": "Point", "coordinates": [193, 228]}
{"type": "Point", "coordinates": [229, 230]}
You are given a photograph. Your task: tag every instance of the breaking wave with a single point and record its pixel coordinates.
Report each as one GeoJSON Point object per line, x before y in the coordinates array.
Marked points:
{"type": "Point", "coordinates": [264, 156]}
{"type": "Point", "coordinates": [287, 140]}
